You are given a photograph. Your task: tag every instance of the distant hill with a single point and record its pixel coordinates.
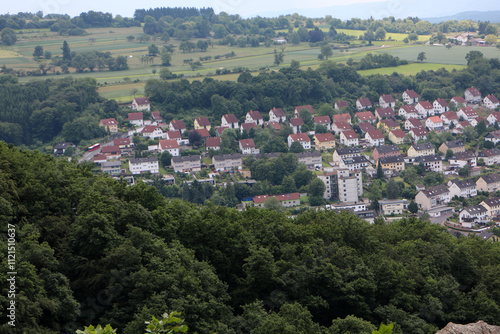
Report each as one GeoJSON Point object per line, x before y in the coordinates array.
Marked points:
{"type": "Point", "coordinates": [492, 16]}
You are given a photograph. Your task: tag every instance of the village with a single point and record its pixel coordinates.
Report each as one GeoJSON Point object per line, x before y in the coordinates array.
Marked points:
{"type": "Point", "coordinates": [347, 151]}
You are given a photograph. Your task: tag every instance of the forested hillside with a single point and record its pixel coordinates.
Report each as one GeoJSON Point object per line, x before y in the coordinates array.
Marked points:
{"type": "Point", "coordinates": [93, 250]}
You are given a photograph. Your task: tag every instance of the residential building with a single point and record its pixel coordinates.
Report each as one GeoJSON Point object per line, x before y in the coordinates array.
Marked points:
{"type": "Point", "coordinates": [350, 186]}
{"type": "Point", "coordinates": [408, 111]}
{"type": "Point", "coordinates": [489, 183]}
{"type": "Point", "coordinates": [254, 117]}
{"type": "Point", "coordinates": [431, 162]}
{"type": "Point", "coordinates": [141, 104]}
{"type": "Point", "coordinates": [472, 95]}
{"type": "Point", "coordinates": [176, 134]}
{"type": "Point", "coordinates": [153, 132]}
{"type": "Point", "coordinates": [247, 146]}
{"type": "Point", "coordinates": [109, 124]}
{"type": "Point", "coordinates": [381, 113]}
{"type": "Point", "coordinates": [341, 104]}
{"type": "Point", "coordinates": [247, 127]}
{"type": "Point", "coordinates": [493, 118]}
{"type": "Point", "coordinates": [302, 138]}
{"type": "Point", "coordinates": [346, 117]}
{"type": "Point", "coordinates": [492, 205]}
{"type": "Point", "coordinates": [349, 138]}
{"type": "Point", "coordinates": [324, 141]}
{"type": "Point", "coordinates": [111, 152]}
{"type": "Point", "coordinates": [187, 164]}
{"type": "Point", "coordinates": [491, 102]}
{"type": "Point", "coordinates": [419, 134]}
{"type": "Point", "coordinates": [111, 167]}
{"type": "Point", "coordinates": [312, 159]}
{"type": "Point", "coordinates": [385, 151]}
{"type": "Point", "coordinates": [410, 96]}
{"type": "Point", "coordinates": [493, 136]}
{"type": "Point", "coordinates": [388, 124]}
{"type": "Point", "coordinates": [135, 118]}
{"type": "Point", "coordinates": [459, 101]}
{"type": "Point", "coordinates": [440, 106]}
{"type": "Point", "coordinates": [227, 162]}
{"type": "Point", "coordinates": [434, 123]}
{"type": "Point", "coordinates": [355, 163]}
{"type": "Point", "coordinates": [365, 116]}
{"type": "Point", "coordinates": [169, 145]}
{"type": "Point", "coordinates": [394, 162]}
{"type": "Point", "coordinates": [364, 127]}
{"type": "Point", "coordinates": [419, 150]}
{"type": "Point", "coordinates": [397, 136]}
{"type": "Point", "coordinates": [462, 188]}
{"type": "Point", "coordinates": [490, 156]}
{"type": "Point", "coordinates": [273, 125]}
{"type": "Point", "coordinates": [455, 146]}
{"type": "Point", "coordinates": [289, 200]}
{"type": "Point", "coordinates": [471, 215]}
{"type": "Point", "coordinates": [375, 138]}
{"type": "Point", "coordinates": [202, 123]}
{"type": "Point", "coordinates": [432, 197]}
{"type": "Point", "coordinates": [298, 109]}
{"type": "Point", "coordinates": [229, 121]}
{"type": "Point", "coordinates": [177, 125]}
{"type": "Point", "coordinates": [449, 117]}
{"type": "Point", "coordinates": [342, 153]}
{"type": "Point", "coordinates": [387, 101]}
{"type": "Point", "coordinates": [467, 113]}
{"type": "Point", "coordinates": [60, 148]}
{"type": "Point", "coordinates": [363, 103]}
{"type": "Point", "coordinates": [156, 116]}
{"type": "Point", "coordinates": [296, 124]}
{"type": "Point", "coordinates": [340, 126]}
{"type": "Point", "coordinates": [122, 143]}
{"type": "Point", "coordinates": [462, 159]}
{"type": "Point", "coordinates": [411, 123]}
{"type": "Point", "coordinates": [220, 129]}
{"type": "Point", "coordinates": [323, 120]}
{"type": "Point", "coordinates": [144, 165]}
{"type": "Point", "coordinates": [277, 115]}
{"type": "Point", "coordinates": [393, 206]}
{"type": "Point", "coordinates": [213, 143]}
{"type": "Point", "coordinates": [425, 109]}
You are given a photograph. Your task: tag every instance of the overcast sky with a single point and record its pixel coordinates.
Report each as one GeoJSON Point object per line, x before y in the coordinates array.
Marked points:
{"type": "Point", "coordinates": [249, 8]}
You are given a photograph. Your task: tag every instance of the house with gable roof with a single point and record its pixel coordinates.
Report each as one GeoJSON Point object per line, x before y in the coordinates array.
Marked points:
{"type": "Point", "coordinates": [462, 188]}
{"type": "Point", "coordinates": [411, 123]}
{"type": "Point", "coordinates": [156, 116]}
{"type": "Point", "coordinates": [387, 101]}
{"type": "Point", "coordinates": [493, 136]}
{"type": "Point", "coordinates": [341, 104]}
{"type": "Point", "coordinates": [434, 123]}
{"type": "Point", "coordinates": [381, 113]}
{"type": "Point", "coordinates": [323, 120]}
{"type": "Point", "coordinates": [177, 125]}
{"type": "Point", "coordinates": [432, 163]}
{"type": "Point", "coordinates": [153, 132]}
{"type": "Point", "coordinates": [385, 151]}
{"type": "Point", "coordinates": [296, 124]}
{"type": "Point", "coordinates": [298, 109]}
{"type": "Point", "coordinates": [493, 118]}
{"type": "Point", "coordinates": [135, 118]}
{"type": "Point", "coordinates": [324, 141]}
{"type": "Point", "coordinates": [247, 126]}
{"type": "Point", "coordinates": [230, 121]}
{"type": "Point", "coordinates": [169, 145]}
{"type": "Point", "coordinates": [247, 146]}
{"type": "Point", "coordinates": [491, 102]}
{"type": "Point", "coordinates": [375, 137]}
{"type": "Point", "coordinates": [365, 116]}
{"type": "Point", "coordinates": [419, 133]}
{"type": "Point", "coordinates": [462, 159]}
{"type": "Point", "coordinates": [302, 138]}
{"type": "Point", "coordinates": [454, 145]}
{"type": "Point", "coordinates": [363, 103]}
{"type": "Point", "coordinates": [202, 123]}
{"type": "Point", "coordinates": [433, 197]}
{"type": "Point", "coordinates": [392, 162]}
{"type": "Point", "coordinates": [440, 106]}
{"type": "Point", "coordinates": [254, 116]}
{"type": "Point", "coordinates": [467, 113]}
{"type": "Point", "coordinates": [364, 127]}
{"type": "Point", "coordinates": [425, 109]}
{"type": "Point", "coordinates": [449, 117]}
{"type": "Point", "coordinates": [472, 95]}
{"type": "Point", "coordinates": [408, 111]}
{"type": "Point", "coordinates": [388, 124]}
{"type": "Point", "coordinates": [349, 138]}
{"type": "Point", "coordinates": [492, 204]}
{"type": "Point", "coordinates": [213, 143]}
{"type": "Point", "coordinates": [489, 183]}
{"type": "Point", "coordinates": [277, 115]}
{"type": "Point", "coordinates": [341, 126]}
{"type": "Point", "coordinates": [410, 96]}
{"type": "Point", "coordinates": [397, 136]}
{"type": "Point", "coordinates": [490, 156]}
{"type": "Point", "coordinates": [141, 103]}
{"type": "Point", "coordinates": [419, 150]}
{"type": "Point", "coordinates": [471, 215]}
{"type": "Point", "coordinates": [109, 124]}
{"type": "Point", "coordinates": [459, 101]}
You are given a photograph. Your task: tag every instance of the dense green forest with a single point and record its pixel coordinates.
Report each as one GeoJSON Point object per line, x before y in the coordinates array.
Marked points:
{"type": "Point", "coordinates": [93, 250]}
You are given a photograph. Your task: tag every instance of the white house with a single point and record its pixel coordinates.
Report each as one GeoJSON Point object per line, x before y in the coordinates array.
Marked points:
{"type": "Point", "coordinates": [432, 163]}
{"type": "Point", "coordinates": [169, 145]}
{"type": "Point", "coordinates": [254, 116]}
{"type": "Point", "coordinates": [462, 159]}
{"type": "Point", "coordinates": [375, 137]}
{"type": "Point", "coordinates": [425, 109]}
{"type": "Point", "coordinates": [144, 165]}
{"type": "Point", "coordinates": [247, 146]}
{"type": "Point", "coordinates": [434, 123]}
{"type": "Point", "coordinates": [472, 214]}
{"type": "Point", "coordinates": [467, 113]}
{"type": "Point", "coordinates": [349, 138]}
{"type": "Point", "coordinates": [363, 103]}
{"type": "Point", "coordinates": [493, 136]}
{"type": "Point", "coordinates": [472, 95]}
{"type": "Point", "coordinates": [408, 111]}
{"type": "Point", "coordinates": [462, 188]}
{"type": "Point", "coordinates": [410, 96]}
{"type": "Point", "coordinates": [341, 126]}
{"type": "Point", "coordinates": [296, 124]}
{"type": "Point", "coordinates": [493, 118]}
{"type": "Point", "coordinates": [135, 118]}
{"type": "Point", "coordinates": [459, 101]}
{"type": "Point", "coordinates": [418, 133]}
{"type": "Point", "coordinates": [411, 123]}
{"type": "Point", "coordinates": [229, 121]}
{"type": "Point", "coordinates": [491, 102]}
{"type": "Point", "coordinates": [277, 115]}
{"type": "Point", "coordinates": [153, 132]}
{"type": "Point", "coordinates": [440, 106]}
{"type": "Point", "coordinates": [177, 125]}
{"type": "Point", "coordinates": [432, 197]}
{"type": "Point", "coordinates": [490, 156]}
{"type": "Point", "coordinates": [302, 138]}
{"type": "Point", "coordinates": [387, 101]}
{"type": "Point", "coordinates": [323, 120]}
{"type": "Point", "coordinates": [141, 103]}
{"type": "Point", "coordinates": [449, 117]}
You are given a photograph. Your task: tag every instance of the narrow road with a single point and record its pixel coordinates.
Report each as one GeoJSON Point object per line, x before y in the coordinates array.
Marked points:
{"type": "Point", "coordinates": [88, 156]}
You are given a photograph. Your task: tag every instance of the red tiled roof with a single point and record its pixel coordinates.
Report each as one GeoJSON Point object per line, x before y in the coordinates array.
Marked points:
{"type": "Point", "coordinates": [302, 137]}
{"type": "Point", "coordinates": [213, 141]}
{"type": "Point", "coordinates": [135, 116]}
{"type": "Point", "coordinates": [409, 109]}
{"type": "Point", "coordinates": [365, 115]}
{"type": "Point", "coordinates": [459, 99]}
{"type": "Point", "coordinates": [108, 121]}
{"type": "Point", "coordinates": [365, 126]}
{"type": "Point", "coordinates": [388, 98]}
{"type": "Point", "coordinates": [384, 112]}
{"type": "Point", "coordinates": [111, 149]}
{"type": "Point", "coordinates": [296, 121]}
{"type": "Point", "coordinates": [121, 141]}
{"type": "Point", "coordinates": [308, 107]}
{"type": "Point", "coordinates": [203, 132]}
{"type": "Point", "coordinates": [141, 100]}
{"type": "Point", "coordinates": [274, 125]}
{"type": "Point", "coordinates": [426, 105]}
{"type": "Point", "coordinates": [174, 134]}
{"type": "Point", "coordinates": [324, 137]}
{"type": "Point", "coordinates": [390, 123]}
{"type": "Point", "coordinates": [245, 143]}
{"type": "Point", "coordinates": [248, 126]}
{"type": "Point", "coordinates": [288, 197]}
{"type": "Point", "coordinates": [420, 131]}
{"type": "Point", "coordinates": [414, 122]}
{"type": "Point", "coordinates": [435, 119]}
{"type": "Point", "coordinates": [220, 129]}
{"type": "Point", "coordinates": [178, 125]}
{"type": "Point", "coordinates": [156, 116]}
{"type": "Point", "coordinates": [278, 112]}
{"type": "Point", "coordinates": [442, 102]}
{"type": "Point", "coordinates": [342, 104]}
{"type": "Point", "coordinates": [342, 125]}
{"type": "Point", "coordinates": [255, 115]}
{"type": "Point", "coordinates": [411, 93]}
{"type": "Point", "coordinates": [149, 129]}
{"type": "Point", "coordinates": [230, 118]}
{"type": "Point", "coordinates": [464, 124]}
{"type": "Point", "coordinates": [322, 120]}
{"type": "Point", "coordinates": [474, 91]}
{"type": "Point", "coordinates": [350, 134]}
{"type": "Point", "coordinates": [203, 121]}
{"type": "Point", "coordinates": [166, 144]}
{"type": "Point", "coordinates": [398, 133]}
{"type": "Point", "coordinates": [375, 134]}
{"type": "Point", "coordinates": [260, 199]}
{"type": "Point", "coordinates": [492, 98]}
{"type": "Point", "coordinates": [365, 102]}
{"type": "Point", "coordinates": [342, 117]}
{"type": "Point", "coordinates": [451, 115]}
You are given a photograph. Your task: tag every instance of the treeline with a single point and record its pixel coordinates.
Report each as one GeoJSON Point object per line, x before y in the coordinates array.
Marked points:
{"type": "Point", "coordinates": [39, 111]}
{"type": "Point", "coordinates": [173, 12]}
{"type": "Point", "coordinates": [93, 250]}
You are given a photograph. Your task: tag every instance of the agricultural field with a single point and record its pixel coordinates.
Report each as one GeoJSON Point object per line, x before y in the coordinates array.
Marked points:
{"type": "Point", "coordinates": [119, 84]}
